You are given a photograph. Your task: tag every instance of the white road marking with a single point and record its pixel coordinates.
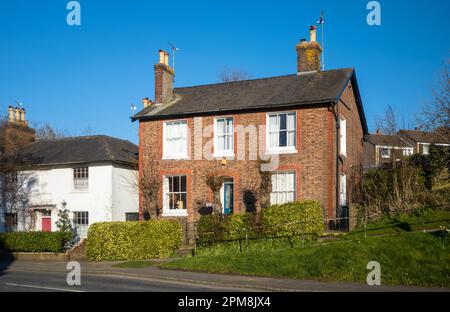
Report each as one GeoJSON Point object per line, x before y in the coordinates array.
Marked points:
{"type": "Point", "coordinates": [42, 287]}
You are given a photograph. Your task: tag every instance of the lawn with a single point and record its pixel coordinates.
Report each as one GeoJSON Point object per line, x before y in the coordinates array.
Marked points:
{"type": "Point", "coordinates": [399, 224]}
{"type": "Point", "coordinates": [419, 259]}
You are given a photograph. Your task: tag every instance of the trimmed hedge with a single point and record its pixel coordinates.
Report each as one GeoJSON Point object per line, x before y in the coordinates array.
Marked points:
{"type": "Point", "coordinates": [292, 219]}
{"type": "Point", "coordinates": [133, 240]}
{"type": "Point", "coordinates": [287, 220]}
{"type": "Point", "coordinates": [34, 241]}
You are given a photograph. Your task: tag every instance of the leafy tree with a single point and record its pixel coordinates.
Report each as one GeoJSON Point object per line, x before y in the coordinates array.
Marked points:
{"type": "Point", "coordinates": [64, 224]}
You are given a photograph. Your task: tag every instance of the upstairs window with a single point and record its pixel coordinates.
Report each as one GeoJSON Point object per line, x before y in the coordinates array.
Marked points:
{"type": "Point", "coordinates": [81, 178]}
{"type": "Point", "coordinates": [425, 149]}
{"type": "Point", "coordinates": [281, 132]}
{"type": "Point", "coordinates": [343, 137]}
{"type": "Point", "coordinates": [223, 137]}
{"type": "Point", "coordinates": [175, 139]}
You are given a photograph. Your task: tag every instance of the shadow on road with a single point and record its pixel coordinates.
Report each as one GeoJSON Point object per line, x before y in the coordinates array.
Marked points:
{"type": "Point", "coordinates": [6, 258]}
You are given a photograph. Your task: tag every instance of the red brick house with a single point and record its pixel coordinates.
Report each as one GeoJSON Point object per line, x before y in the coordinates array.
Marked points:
{"type": "Point", "coordinates": [310, 125]}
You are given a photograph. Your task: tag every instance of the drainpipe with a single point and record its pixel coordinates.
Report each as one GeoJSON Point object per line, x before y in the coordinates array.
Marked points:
{"type": "Point", "coordinates": [336, 109]}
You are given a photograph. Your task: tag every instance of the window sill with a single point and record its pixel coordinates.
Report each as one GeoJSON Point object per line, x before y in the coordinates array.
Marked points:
{"type": "Point", "coordinates": [80, 191]}
{"type": "Point", "coordinates": [175, 157]}
{"type": "Point", "coordinates": [223, 154]}
{"type": "Point", "coordinates": [281, 151]}
{"type": "Point", "coordinates": [180, 213]}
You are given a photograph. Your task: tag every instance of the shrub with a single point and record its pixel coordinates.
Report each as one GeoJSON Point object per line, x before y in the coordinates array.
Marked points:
{"type": "Point", "coordinates": [133, 240]}
{"type": "Point", "coordinates": [215, 228]}
{"type": "Point", "coordinates": [34, 241]}
{"type": "Point", "coordinates": [291, 219]}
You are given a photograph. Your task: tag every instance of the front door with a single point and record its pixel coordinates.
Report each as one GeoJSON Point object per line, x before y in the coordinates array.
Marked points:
{"type": "Point", "coordinates": [228, 197]}
{"type": "Point", "coordinates": [46, 224]}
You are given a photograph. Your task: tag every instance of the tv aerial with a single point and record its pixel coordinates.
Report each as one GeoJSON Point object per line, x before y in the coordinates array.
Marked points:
{"type": "Point", "coordinates": [174, 49]}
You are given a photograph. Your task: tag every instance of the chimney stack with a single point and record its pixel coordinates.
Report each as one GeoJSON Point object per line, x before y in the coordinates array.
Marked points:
{"type": "Point", "coordinates": [11, 114]}
{"type": "Point", "coordinates": [164, 75]}
{"type": "Point", "coordinates": [146, 102]}
{"type": "Point", "coordinates": [308, 53]}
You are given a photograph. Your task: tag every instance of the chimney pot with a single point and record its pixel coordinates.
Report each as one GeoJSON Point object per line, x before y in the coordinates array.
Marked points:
{"type": "Point", "coordinates": [146, 102]}
{"type": "Point", "coordinates": [161, 56]}
{"type": "Point", "coordinates": [166, 58]}
{"type": "Point", "coordinates": [312, 34]}
{"type": "Point", "coordinates": [11, 114]}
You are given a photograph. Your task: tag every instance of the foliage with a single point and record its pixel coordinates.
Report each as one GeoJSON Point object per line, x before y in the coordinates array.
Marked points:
{"type": "Point", "coordinates": [228, 75]}
{"type": "Point", "coordinates": [64, 224]}
{"type": "Point", "coordinates": [133, 240]}
{"type": "Point", "coordinates": [34, 241]}
{"type": "Point", "coordinates": [412, 259]}
{"type": "Point", "coordinates": [294, 218]}
{"type": "Point", "coordinates": [286, 220]}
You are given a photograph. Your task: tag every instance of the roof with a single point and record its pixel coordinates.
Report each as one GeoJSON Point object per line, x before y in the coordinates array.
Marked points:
{"type": "Point", "coordinates": [293, 90]}
{"type": "Point", "coordinates": [426, 136]}
{"type": "Point", "coordinates": [386, 140]}
{"type": "Point", "coordinates": [83, 149]}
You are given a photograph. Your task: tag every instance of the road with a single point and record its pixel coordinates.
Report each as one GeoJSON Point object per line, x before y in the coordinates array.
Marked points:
{"type": "Point", "coordinates": [56, 281]}
{"type": "Point", "coordinates": [28, 276]}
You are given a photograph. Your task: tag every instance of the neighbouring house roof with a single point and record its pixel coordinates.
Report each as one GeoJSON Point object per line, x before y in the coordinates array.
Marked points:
{"type": "Point", "coordinates": [386, 140]}
{"type": "Point", "coordinates": [426, 136]}
{"type": "Point", "coordinates": [83, 149]}
{"type": "Point", "coordinates": [257, 94]}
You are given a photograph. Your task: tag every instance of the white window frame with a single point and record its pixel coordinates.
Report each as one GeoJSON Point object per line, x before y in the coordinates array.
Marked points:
{"type": "Point", "coordinates": [408, 151]}
{"type": "Point", "coordinates": [388, 152]}
{"type": "Point", "coordinates": [81, 228]}
{"type": "Point", "coordinates": [166, 193]}
{"type": "Point", "coordinates": [428, 145]}
{"type": "Point", "coordinates": [223, 153]}
{"type": "Point", "coordinates": [274, 193]}
{"type": "Point", "coordinates": [342, 136]}
{"type": "Point", "coordinates": [343, 190]}
{"type": "Point", "coordinates": [80, 178]}
{"type": "Point", "coordinates": [281, 149]}
{"type": "Point", "coordinates": [183, 154]}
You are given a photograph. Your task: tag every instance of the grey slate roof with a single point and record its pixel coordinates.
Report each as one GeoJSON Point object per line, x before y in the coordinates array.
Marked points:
{"type": "Point", "coordinates": [83, 149]}
{"type": "Point", "coordinates": [386, 140]}
{"type": "Point", "coordinates": [282, 91]}
{"type": "Point", "coordinates": [426, 137]}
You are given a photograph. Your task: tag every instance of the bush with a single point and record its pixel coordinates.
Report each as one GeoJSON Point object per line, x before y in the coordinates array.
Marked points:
{"type": "Point", "coordinates": [291, 219]}
{"type": "Point", "coordinates": [133, 240]}
{"type": "Point", "coordinates": [34, 241]}
{"type": "Point", "coordinates": [215, 228]}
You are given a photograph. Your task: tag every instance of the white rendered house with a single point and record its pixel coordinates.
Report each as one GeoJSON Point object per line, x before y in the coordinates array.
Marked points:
{"type": "Point", "coordinates": [95, 177]}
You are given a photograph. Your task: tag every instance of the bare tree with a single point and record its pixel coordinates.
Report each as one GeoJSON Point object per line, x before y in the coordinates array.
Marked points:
{"type": "Point", "coordinates": [388, 124]}
{"type": "Point", "coordinates": [47, 132]}
{"type": "Point", "coordinates": [436, 115]}
{"type": "Point", "coordinates": [234, 74]}
{"type": "Point", "coordinates": [16, 182]}
{"type": "Point", "coordinates": [215, 181]}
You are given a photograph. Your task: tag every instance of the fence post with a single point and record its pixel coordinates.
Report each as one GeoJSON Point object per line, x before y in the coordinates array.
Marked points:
{"type": "Point", "coordinates": [246, 240]}
{"type": "Point", "coordinates": [303, 234]}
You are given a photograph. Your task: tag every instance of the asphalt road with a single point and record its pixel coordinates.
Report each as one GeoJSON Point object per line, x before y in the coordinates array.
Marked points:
{"type": "Point", "coordinates": [28, 281]}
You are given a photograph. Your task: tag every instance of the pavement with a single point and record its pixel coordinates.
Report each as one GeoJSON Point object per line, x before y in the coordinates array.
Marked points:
{"type": "Point", "coordinates": [102, 276]}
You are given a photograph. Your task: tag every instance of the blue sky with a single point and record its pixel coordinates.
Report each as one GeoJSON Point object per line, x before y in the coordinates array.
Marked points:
{"type": "Point", "coordinates": [76, 77]}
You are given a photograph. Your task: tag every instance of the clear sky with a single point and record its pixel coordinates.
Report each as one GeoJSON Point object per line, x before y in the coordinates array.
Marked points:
{"type": "Point", "coordinates": [76, 77]}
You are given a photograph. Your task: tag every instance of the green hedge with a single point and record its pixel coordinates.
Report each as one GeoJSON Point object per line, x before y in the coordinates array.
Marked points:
{"type": "Point", "coordinates": [34, 241]}
{"type": "Point", "coordinates": [285, 220]}
{"type": "Point", "coordinates": [133, 240]}
{"type": "Point", "coordinates": [292, 219]}
{"type": "Point", "coordinates": [214, 228]}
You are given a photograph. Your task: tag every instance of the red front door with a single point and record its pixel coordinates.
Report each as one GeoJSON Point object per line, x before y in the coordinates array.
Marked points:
{"type": "Point", "coordinates": [46, 224]}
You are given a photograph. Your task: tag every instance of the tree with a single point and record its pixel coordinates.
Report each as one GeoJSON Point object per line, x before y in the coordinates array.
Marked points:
{"type": "Point", "coordinates": [436, 115]}
{"type": "Point", "coordinates": [228, 75]}
{"type": "Point", "coordinates": [388, 124]}
{"type": "Point", "coordinates": [47, 132]}
{"type": "Point", "coordinates": [64, 224]}
{"type": "Point", "coordinates": [215, 181]}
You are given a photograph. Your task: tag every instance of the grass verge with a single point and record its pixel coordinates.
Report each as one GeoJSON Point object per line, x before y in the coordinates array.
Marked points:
{"type": "Point", "coordinates": [412, 259]}
{"type": "Point", "coordinates": [135, 264]}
